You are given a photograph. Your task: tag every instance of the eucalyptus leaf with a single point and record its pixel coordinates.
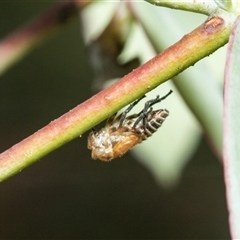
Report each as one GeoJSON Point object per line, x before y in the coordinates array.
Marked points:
{"type": "Point", "coordinates": [232, 130]}
{"type": "Point", "coordinates": [224, 4]}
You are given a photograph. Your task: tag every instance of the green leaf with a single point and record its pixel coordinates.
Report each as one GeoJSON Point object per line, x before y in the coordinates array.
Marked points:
{"type": "Point", "coordinates": [206, 102]}
{"type": "Point", "coordinates": [224, 4]}
{"type": "Point", "coordinates": [229, 5]}
{"type": "Point", "coordinates": [232, 130]}
{"type": "Point", "coordinates": [204, 7]}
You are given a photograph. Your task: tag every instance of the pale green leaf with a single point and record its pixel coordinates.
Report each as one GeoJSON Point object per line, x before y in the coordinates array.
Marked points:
{"type": "Point", "coordinates": [232, 130]}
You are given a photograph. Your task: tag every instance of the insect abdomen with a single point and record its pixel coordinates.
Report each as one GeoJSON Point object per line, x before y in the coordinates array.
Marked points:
{"type": "Point", "coordinates": [152, 126]}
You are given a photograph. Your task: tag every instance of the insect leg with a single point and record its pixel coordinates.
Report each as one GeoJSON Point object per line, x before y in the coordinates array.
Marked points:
{"type": "Point", "coordinates": [142, 117]}
{"type": "Point", "coordinates": [93, 129]}
{"type": "Point", "coordinates": [110, 120]}
{"type": "Point", "coordinates": [156, 100]}
{"type": "Point", "coordinates": [151, 102]}
{"type": "Point", "coordinates": [144, 113]}
{"type": "Point", "coordinates": [124, 114]}
{"type": "Point", "coordinates": [160, 99]}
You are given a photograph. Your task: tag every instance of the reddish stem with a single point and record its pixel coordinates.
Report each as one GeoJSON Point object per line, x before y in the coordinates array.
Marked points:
{"type": "Point", "coordinates": [191, 48]}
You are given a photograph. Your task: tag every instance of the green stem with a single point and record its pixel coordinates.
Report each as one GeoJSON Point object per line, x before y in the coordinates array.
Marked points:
{"type": "Point", "coordinates": [204, 7]}
{"type": "Point", "coordinates": [191, 48]}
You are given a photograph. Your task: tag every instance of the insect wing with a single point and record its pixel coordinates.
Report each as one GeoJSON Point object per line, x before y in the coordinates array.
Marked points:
{"type": "Point", "coordinates": [126, 144]}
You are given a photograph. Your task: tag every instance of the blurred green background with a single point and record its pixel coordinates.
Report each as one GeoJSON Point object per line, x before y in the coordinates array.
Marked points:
{"type": "Point", "coordinates": [66, 195]}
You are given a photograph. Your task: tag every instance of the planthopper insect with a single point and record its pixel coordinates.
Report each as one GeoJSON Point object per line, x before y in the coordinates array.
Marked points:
{"type": "Point", "coordinates": [123, 132]}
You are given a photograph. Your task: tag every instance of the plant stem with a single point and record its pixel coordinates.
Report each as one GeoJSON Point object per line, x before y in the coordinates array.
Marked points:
{"type": "Point", "coordinates": [198, 6]}
{"type": "Point", "coordinates": [191, 48]}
